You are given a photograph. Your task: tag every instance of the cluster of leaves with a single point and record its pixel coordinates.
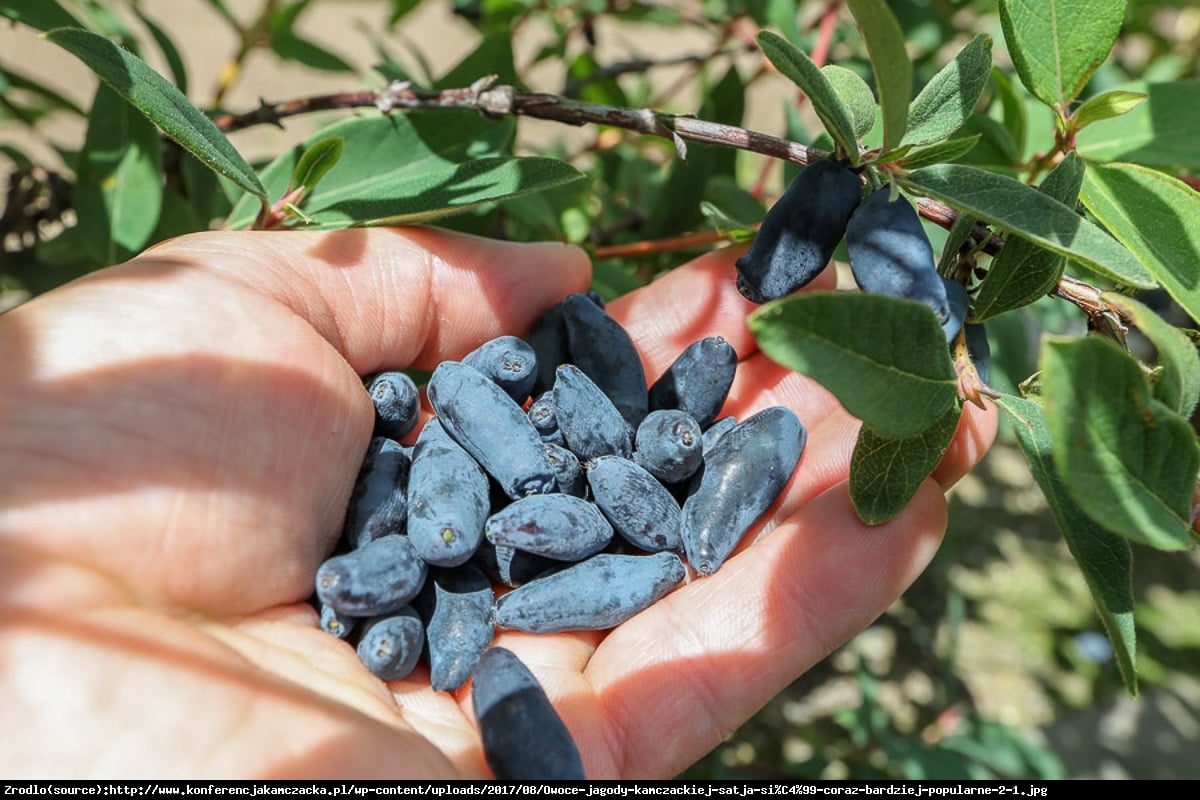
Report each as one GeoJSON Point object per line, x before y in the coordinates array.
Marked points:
{"type": "Point", "coordinates": [1107, 435]}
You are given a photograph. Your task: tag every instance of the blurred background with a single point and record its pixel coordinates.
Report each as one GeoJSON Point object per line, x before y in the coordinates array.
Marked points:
{"type": "Point", "coordinates": [994, 663]}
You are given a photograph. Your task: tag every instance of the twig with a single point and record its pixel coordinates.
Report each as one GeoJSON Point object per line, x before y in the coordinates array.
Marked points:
{"type": "Point", "coordinates": [492, 100]}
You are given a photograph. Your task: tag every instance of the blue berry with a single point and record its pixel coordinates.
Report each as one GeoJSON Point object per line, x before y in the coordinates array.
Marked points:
{"type": "Point", "coordinates": [799, 232]}
{"type": "Point", "coordinates": [390, 645]}
{"type": "Point", "coordinates": [558, 526]}
{"type": "Point", "coordinates": [596, 594]}
{"type": "Point", "coordinates": [890, 252]}
{"type": "Point", "coordinates": [508, 361]}
{"type": "Point", "coordinates": [698, 380]}
{"type": "Point", "coordinates": [640, 508]}
{"type": "Point", "coordinates": [742, 475]}
{"type": "Point", "coordinates": [397, 404]}
{"type": "Point", "coordinates": [524, 738]}
{"type": "Point", "coordinates": [460, 624]}
{"type": "Point", "coordinates": [590, 424]}
{"type": "Point", "coordinates": [603, 351]}
{"type": "Point", "coordinates": [377, 578]}
{"type": "Point", "coordinates": [669, 445]}
{"type": "Point", "coordinates": [378, 503]}
{"type": "Point", "coordinates": [492, 428]}
{"type": "Point", "coordinates": [448, 499]}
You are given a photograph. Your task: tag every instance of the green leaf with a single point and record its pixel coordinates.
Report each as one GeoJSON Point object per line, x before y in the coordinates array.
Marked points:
{"type": "Point", "coordinates": [406, 169]}
{"type": "Point", "coordinates": [163, 104]}
{"type": "Point", "coordinates": [493, 55]}
{"type": "Point", "coordinates": [41, 14]}
{"type": "Point", "coordinates": [889, 62]}
{"type": "Point", "coordinates": [1158, 133]}
{"type": "Point", "coordinates": [883, 357]}
{"type": "Point", "coordinates": [995, 152]}
{"type": "Point", "coordinates": [1012, 109]}
{"type": "Point", "coordinates": [951, 95]}
{"type": "Point", "coordinates": [885, 472]}
{"type": "Point", "coordinates": [855, 95]}
{"type": "Point", "coordinates": [315, 163]}
{"type": "Point", "coordinates": [800, 69]}
{"type": "Point", "coordinates": [1107, 105]}
{"type": "Point", "coordinates": [1011, 205]}
{"type": "Point", "coordinates": [1128, 461]}
{"type": "Point", "coordinates": [941, 152]}
{"type": "Point", "coordinates": [1056, 45]}
{"type": "Point", "coordinates": [291, 46]}
{"type": "Point", "coordinates": [1157, 217]}
{"type": "Point", "coordinates": [1178, 383]}
{"type": "Point", "coordinates": [735, 229]}
{"type": "Point", "coordinates": [118, 188]}
{"type": "Point", "coordinates": [1105, 559]}
{"type": "Point", "coordinates": [1023, 272]}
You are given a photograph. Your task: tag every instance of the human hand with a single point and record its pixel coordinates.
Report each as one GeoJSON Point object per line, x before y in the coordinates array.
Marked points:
{"type": "Point", "coordinates": [178, 441]}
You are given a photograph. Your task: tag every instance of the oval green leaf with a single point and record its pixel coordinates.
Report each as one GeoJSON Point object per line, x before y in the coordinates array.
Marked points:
{"type": "Point", "coordinates": [1105, 559]}
{"type": "Point", "coordinates": [1107, 105]}
{"type": "Point", "coordinates": [951, 95]}
{"type": "Point", "coordinates": [1178, 382]}
{"type": "Point", "coordinates": [884, 358]}
{"type": "Point", "coordinates": [401, 169]}
{"type": "Point", "coordinates": [161, 103]}
{"type": "Point", "coordinates": [800, 69]}
{"type": "Point", "coordinates": [1158, 133]}
{"type": "Point", "coordinates": [1157, 217]}
{"type": "Point", "coordinates": [885, 471]}
{"type": "Point", "coordinates": [119, 182]}
{"type": "Point", "coordinates": [1023, 210]}
{"type": "Point", "coordinates": [855, 95]}
{"type": "Point", "coordinates": [1056, 45]}
{"type": "Point", "coordinates": [1024, 272]}
{"type": "Point", "coordinates": [890, 64]}
{"type": "Point", "coordinates": [44, 15]}
{"type": "Point", "coordinates": [940, 152]}
{"type": "Point", "coordinates": [1129, 461]}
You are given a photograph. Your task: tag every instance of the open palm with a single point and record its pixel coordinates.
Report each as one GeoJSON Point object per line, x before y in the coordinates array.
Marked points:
{"type": "Point", "coordinates": [179, 437]}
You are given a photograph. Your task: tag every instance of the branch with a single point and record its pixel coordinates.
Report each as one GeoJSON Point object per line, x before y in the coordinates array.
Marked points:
{"type": "Point", "coordinates": [497, 101]}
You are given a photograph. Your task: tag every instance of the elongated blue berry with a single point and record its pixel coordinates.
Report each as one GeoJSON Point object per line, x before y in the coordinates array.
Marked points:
{"type": "Point", "coordinates": [492, 428]}
{"type": "Point", "coordinates": [742, 475]}
{"type": "Point", "coordinates": [397, 403]}
{"type": "Point", "coordinates": [590, 424]}
{"type": "Point", "coordinates": [714, 432]}
{"type": "Point", "coordinates": [890, 252]}
{"type": "Point", "coordinates": [698, 380]}
{"type": "Point", "coordinates": [377, 578]}
{"type": "Point", "coordinates": [669, 445]}
{"type": "Point", "coordinates": [390, 645]}
{"type": "Point", "coordinates": [799, 232]}
{"type": "Point", "coordinates": [558, 526]}
{"type": "Point", "coordinates": [511, 566]}
{"type": "Point", "coordinates": [460, 625]}
{"type": "Point", "coordinates": [508, 361]}
{"type": "Point", "coordinates": [958, 304]}
{"type": "Point", "coordinates": [544, 418]}
{"type": "Point", "coordinates": [448, 499]}
{"type": "Point", "coordinates": [979, 349]}
{"type": "Point", "coordinates": [524, 738]}
{"type": "Point", "coordinates": [568, 470]}
{"type": "Point", "coordinates": [596, 594]}
{"type": "Point", "coordinates": [339, 625]}
{"type": "Point", "coordinates": [640, 508]}
{"type": "Point", "coordinates": [378, 503]}
{"type": "Point", "coordinates": [604, 351]}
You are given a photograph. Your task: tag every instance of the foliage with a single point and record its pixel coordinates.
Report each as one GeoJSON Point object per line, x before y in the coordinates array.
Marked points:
{"type": "Point", "coordinates": [1064, 183]}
